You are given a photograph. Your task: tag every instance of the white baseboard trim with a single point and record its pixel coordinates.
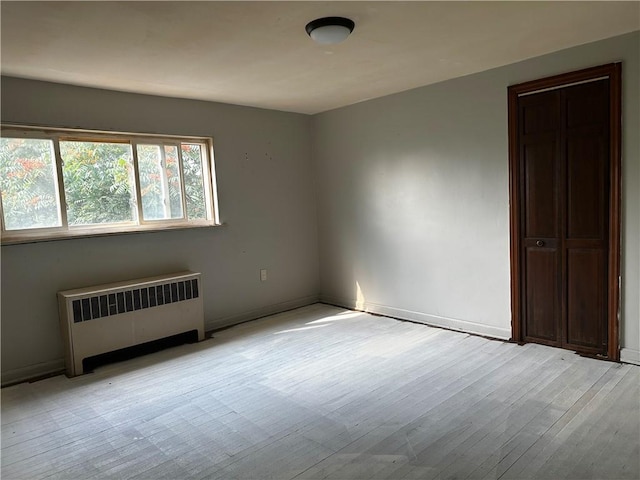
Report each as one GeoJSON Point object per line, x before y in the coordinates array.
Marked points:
{"type": "Point", "coordinates": [261, 312]}
{"type": "Point", "coordinates": [24, 374]}
{"type": "Point", "coordinates": [629, 355]}
{"type": "Point", "coordinates": [427, 319]}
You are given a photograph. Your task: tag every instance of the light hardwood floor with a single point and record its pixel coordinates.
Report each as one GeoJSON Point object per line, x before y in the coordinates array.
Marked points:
{"type": "Point", "coordinates": [321, 392]}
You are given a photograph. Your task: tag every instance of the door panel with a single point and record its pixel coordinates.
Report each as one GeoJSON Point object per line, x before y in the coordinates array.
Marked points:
{"type": "Point", "coordinates": [587, 219]}
{"type": "Point", "coordinates": [543, 308]}
{"type": "Point", "coordinates": [586, 298]}
{"type": "Point", "coordinates": [587, 183]}
{"type": "Point", "coordinates": [587, 104]}
{"type": "Point", "coordinates": [540, 173]}
{"type": "Point", "coordinates": [539, 114]}
{"type": "Point", "coordinates": [539, 149]}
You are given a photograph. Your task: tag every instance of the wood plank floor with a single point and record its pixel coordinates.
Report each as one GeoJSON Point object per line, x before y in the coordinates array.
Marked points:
{"type": "Point", "coordinates": [322, 392]}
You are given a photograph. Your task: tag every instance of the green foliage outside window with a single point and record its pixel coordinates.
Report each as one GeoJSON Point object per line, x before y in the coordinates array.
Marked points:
{"type": "Point", "coordinates": [28, 183]}
{"type": "Point", "coordinates": [98, 182]}
{"type": "Point", "coordinates": [193, 181]}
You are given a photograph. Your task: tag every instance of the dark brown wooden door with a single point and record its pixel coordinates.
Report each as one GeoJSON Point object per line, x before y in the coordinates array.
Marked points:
{"type": "Point", "coordinates": [563, 139]}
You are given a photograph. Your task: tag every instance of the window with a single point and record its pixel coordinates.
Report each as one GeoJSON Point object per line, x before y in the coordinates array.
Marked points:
{"type": "Point", "coordinates": [63, 183]}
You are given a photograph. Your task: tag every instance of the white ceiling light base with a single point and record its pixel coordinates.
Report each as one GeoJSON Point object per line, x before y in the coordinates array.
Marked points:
{"type": "Point", "coordinates": [330, 30]}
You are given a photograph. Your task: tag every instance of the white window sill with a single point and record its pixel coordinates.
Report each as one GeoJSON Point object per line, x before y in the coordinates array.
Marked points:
{"type": "Point", "coordinates": [24, 236]}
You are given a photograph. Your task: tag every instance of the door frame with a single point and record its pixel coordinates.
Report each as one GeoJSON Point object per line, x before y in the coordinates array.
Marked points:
{"type": "Point", "coordinates": [613, 72]}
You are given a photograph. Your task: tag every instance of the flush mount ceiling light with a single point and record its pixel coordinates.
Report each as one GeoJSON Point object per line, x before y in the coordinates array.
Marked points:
{"type": "Point", "coordinates": [329, 30]}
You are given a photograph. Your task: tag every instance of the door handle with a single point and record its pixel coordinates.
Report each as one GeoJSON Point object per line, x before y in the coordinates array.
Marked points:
{"type": "Point", "coordinates": [540, 243]}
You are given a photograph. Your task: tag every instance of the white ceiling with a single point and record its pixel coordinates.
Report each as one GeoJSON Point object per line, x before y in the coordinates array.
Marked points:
{"type": "Point", "coordinates": [258, 53]}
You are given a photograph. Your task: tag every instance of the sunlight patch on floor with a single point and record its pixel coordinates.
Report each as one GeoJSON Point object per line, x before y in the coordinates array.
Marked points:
{"type": "Point", "coordinates": [299, 329]}
{"type": "Point", "coordinates": [336, 318]}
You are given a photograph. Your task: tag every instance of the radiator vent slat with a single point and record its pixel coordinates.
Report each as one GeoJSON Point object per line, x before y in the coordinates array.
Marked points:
{"type": "Point", "coordinates": [86, 309]}
{"type": "Point", "coordinates": [136, 300]}
{"type": "Point", "coordinates": [95, 307]}
{"type": "Point", "coordinates": [100, 306]}
{"type": "Point", "coordinates": [77, 311]}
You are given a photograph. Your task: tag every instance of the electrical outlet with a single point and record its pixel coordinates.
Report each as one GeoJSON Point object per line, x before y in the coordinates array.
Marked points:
{"type": "Point", "coordinates": [263, 275]}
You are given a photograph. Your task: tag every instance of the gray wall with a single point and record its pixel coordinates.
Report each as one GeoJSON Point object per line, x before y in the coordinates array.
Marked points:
{"type": "Point", "coordinates": [267, 202]}
{"type": "Point", "coordinates": [413, 197]}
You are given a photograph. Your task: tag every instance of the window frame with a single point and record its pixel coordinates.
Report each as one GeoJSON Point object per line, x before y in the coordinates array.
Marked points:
{"type": "Point", "coordinates": [138, 224]}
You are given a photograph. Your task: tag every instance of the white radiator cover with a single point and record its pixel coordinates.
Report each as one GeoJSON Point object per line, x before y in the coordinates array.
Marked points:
{"type": "Point", "coordinates": [104, 318]}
